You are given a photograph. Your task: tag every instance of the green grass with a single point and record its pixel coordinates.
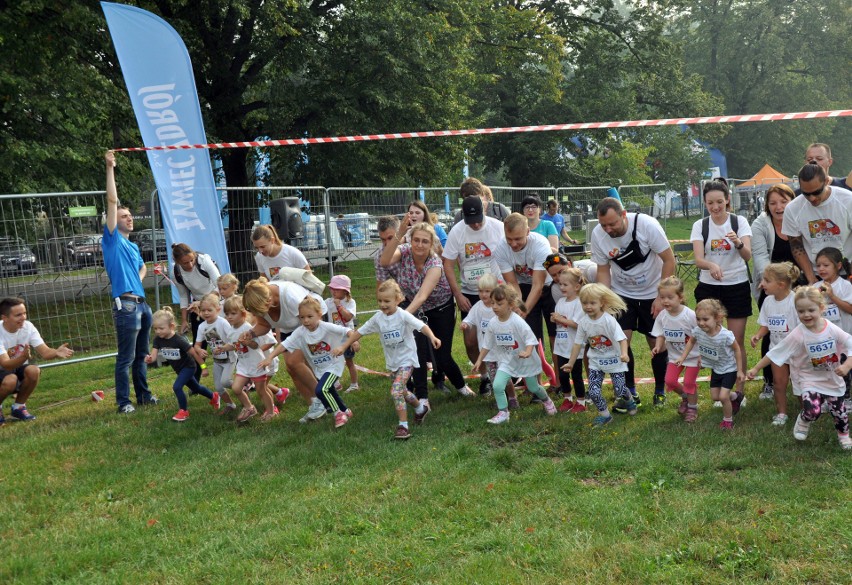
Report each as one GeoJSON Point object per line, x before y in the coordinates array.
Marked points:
{"type": "Point", "coordinates": [94, 497]}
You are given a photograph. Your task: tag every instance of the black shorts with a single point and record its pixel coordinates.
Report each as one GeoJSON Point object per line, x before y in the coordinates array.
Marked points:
{"type": "Point", "coordinates": [19, 372]}
{"type": "Point", "coordinates": [736, 298]}
{"type": "Point", "coordinates": [473, 300]}
{"type": "Point", "coordinates": [638, 316]}
{"type": "Point", "coordinates": [726, 381]}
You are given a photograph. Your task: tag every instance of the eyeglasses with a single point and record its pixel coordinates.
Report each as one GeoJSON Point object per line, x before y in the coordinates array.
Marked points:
{"type": "Point", "coordinates": [530, 206]}
{"type": "Point", "coordinates": [816, 193]}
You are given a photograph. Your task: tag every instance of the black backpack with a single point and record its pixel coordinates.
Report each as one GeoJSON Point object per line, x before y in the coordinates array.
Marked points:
{"type": "Point", "coordinates": [201, 271]}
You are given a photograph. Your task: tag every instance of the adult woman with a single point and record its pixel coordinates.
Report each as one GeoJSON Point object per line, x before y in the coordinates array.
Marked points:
{"type": "Point", "coordinates": [420, 274]}
{"type": "Point", "coordinates": [417, 213]}
{"type": "Point", "coordinates": [531, 206]}
{"type": "Point", "coordinates": [276, 305]}
{"type": "Point", "coordinates": [722, 246]}
{"type": "Point", "coordinates": [273, 254]}
{"type": "Point", "coordinates": [769, 245]}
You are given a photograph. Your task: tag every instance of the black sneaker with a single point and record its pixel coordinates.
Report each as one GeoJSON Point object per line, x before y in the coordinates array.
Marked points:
{"type": "Point", "coordinates": [621, 405]}
{"type": "Point", "coordinates": [636, 399]}
{"type": "Point", "coordinates": [485, 388]}
{"type": "Point", "coordinates": [152, 401]}
{"type": "Point", "coordinates": [659, 399]}
{"type": "Point", "coordinates": [440, 386]}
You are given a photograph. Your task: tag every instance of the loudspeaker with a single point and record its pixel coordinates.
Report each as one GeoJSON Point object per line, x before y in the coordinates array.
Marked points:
{"type": "Point", "coordinates": [287, 218]}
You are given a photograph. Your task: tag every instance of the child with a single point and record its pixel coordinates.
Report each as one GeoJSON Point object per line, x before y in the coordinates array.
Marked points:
{"type": "Point", "coordinates": [176, 350]}
{"type": "Point", "coordinates": [315, 338]}
{"type": "Point", "coordinates": [837, 291]}
{"type": "Point", "coordinates": [478, 317]}
{"type": "Point", "coordinates": [228, 285]}
{"type": "Point", "coordinates": [341, 311]}
{"type": "Point", "coordinates": [396, 328]}
{"type": "Point", "coordinates": [777, 318]}
{"type": "Point", "coordinates": [568, 313]}
{"type": "Point", "coordinates": [673, 328]}
{"type": "Point", "coordinates": [513, 342]}
{"type": "Point", "coordinates": [18, 337]}
{"type": "Point", "coordinates": [813, 351]}
{"type": "Point", "coordinates": [607, 348]}
{"type": "Point", "coordinates": [720, 352]}
{"type": "Point", "coordinates": [214, 330]}
{"type": "Point", "coordinates": [249, 352]}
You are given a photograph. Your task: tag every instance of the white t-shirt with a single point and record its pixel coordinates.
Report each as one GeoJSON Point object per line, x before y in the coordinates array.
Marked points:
{"type": "Point", "coordinates": [505, 339]}
{"type": "Point", "coordinates": [779, 316]}
{"type": "Point", "coordinates": [479, 317]}
{"type": "Point", "coordinates": [640, 282]}
{"type": "Point", "coordinates": [196, 285]}
{"type": "Point", "coordinates": [396, 332]}
{"type": "Point", "coordinates": [676, 330]}
{"type": "Point", "coordinates": [829, 224]}
{"type": "Point", "coordinates": [12, 344]}
{"type": "Point", "coordinates": [215, 335]}
{"type": "Point", "coordinates": [290, 295]}
{"type": "Point", "coordinates": [287, 257]}
{"type": "Point", "coordinates": [715, 351]}
{"type": "Point", "coordinates": [317, 346]}
{"type": "Point", "coordinates": [349, 305]}
{"type": "Point", "coordinates": [813, 358]}
{"type": "Point", "coordinates": [565, 335]}
{"type": "Point", "coordinates": [841, 288]}
{"type": "Point", "coordinates": [720, 250]}
{"type": "Point", "coordinates": [603, 336]}
{"type": "Point", "coordinates": [529, 259]}
{"type": "Point", "coordinates": [475, 251]}
{"type": "Point", "coordinates": [248, 358]}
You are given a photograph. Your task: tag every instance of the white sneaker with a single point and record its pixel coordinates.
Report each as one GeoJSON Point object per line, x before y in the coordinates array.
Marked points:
{"type": "Point", "coordinates": [316, 411]}
{"type": "Point", "coordinates": [779, 420]}
{"type": "Point", "coordinates": [352, 388]}
{"type": "Point", "coordinates": [848, 403]}
{"type": "Point", "coordinates": [466, 391]}
{"type": "Point", "coordinates": [499, 418]}
{"type": "Point", "coordinates": [768, 392]}
{"type": "Point", "coordinates": [845, 441]}
{"type": "Point", "coordinates": [717, 404]}
{"type": "Point", "coordinates": [801, 429]}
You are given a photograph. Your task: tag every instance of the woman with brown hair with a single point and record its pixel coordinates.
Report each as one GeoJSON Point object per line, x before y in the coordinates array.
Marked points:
{"type": "Point", "coordinates": [273, 254]}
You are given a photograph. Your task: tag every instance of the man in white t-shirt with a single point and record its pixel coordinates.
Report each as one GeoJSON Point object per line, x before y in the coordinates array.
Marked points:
{"type": "Point", "coordinates": [820, 217]}
{"type": "Point", "coordinates": [18, 337]}
{"type": "Point", "coordinates": [633, 254]}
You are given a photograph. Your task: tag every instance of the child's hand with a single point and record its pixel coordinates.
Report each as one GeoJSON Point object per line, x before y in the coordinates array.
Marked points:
{"type": "Point", "coordinates": [568, 367]}
{"type": "Point", "coordinates": [337, 351]}
{"type": "Point", "coordinates": [202, 353]}
{"type": "Point", "coordinates": [679, 361]}
{"type": "Point", "coordinates": [436, 343]}
{"type": "Point", "coordinates": [464, 326]}
{"type": "Point", "coordinates": [654, 351]}
{"type": "Point", "coordinates": [755, 339]}
{"type": "Point", "coordinates": [184, 327]}
{"type": "Point", "coordinates": [476, 366]}
{"type": "Point", "coordinates": [246, 337]}
{"type": "Point", "coordinates": [555, 318]}
{"type": "Point", "coordinates": [843, 368]}
{"type": "Point", "coordinates": [205, 373]}
{"type": "Point", "coordinates": [740, 376]}
{"type": "Point", "coordinates": [264, 363]}
{"type": "Point", "coordinates": [217, 350]}
{"type": "Point", "coordinates": [149, 359]}
{"type": "Point", "coordinates": [752, 373]}
{"type": "Point", "coordinates": [625, 358]}
{"type": "Point", "coordinates": [525, 353]}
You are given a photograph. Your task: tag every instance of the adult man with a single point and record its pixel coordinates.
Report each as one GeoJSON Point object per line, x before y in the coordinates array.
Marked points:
{"type": "Point", "coordinates": [18, 337]}
{"type": "Point", "coordinates": [474, 187]}
{"type": "Point", "coordinates": [556, 218]}
{"type": "Point", "coordinates": [820, 217]}
{"type": "Point", "coordinates": [819, 153]}
{"type": "Point", "coordinates": [130, 312]}
{"type": "Point", "coordinates": [472, 244]}
{"type": "Point", "coordinates": [633, 254]}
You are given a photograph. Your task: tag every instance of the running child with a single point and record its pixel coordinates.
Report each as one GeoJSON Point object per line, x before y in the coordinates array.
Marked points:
{"type": "Point", "coordinates": [511, 341]}
{"type": "Point", "coordinates": [477, 319]}
{"type": "Point", "coordinates": [813, 349]}
{"type": "Point", "coordinates": [316, 338]}
{"type": "Point", "coordinates": [837, 292]}
{"type": "Point", "coordinates": [607, 351]}
{"type": "Point", "coordinates": [249, 352]}
{"type": "Point", "coordinates": [720, 352]}
{"type": "Point", "coordinates": [177, 351]}
{"type": "Point", "coordinates": [567, 315]}
{"type": "Point", "coordinates": [341, 311]}
{"type": "Point", "coordinates": [777, 318]}
{"type": "Point", "coordinates": [396, 328]}
{"type": "Point", "coordinates": [214, 330]}
{"type": "Point", "coordinates": [673, 328]}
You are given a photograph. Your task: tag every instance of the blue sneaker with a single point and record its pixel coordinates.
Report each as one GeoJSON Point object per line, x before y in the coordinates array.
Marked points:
{"type": "Point", "coordinates": [601, 420]}
{"type": "Point", "coordinates": [22, 414]}
{"type": "Point", "coordinates": [632, 408]}
{"type": "Point", "coordinates": [621, 405]}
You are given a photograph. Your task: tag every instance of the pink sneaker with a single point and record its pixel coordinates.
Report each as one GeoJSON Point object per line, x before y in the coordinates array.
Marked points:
{"type": "Point", "coordinates": [282, 395]}
{"type": "Point", "coordinates": [549, 407]}
{"type": "Point", "coordinates": [181, 415]}
{"type": "Point", "coordinates": [578, 407]}
{"type": "Point", "coordinates": [340, 419]}
{"type": "Point", "coordinates": [566, 405]}
{"type": "Point", "coordinates": [726, 425]}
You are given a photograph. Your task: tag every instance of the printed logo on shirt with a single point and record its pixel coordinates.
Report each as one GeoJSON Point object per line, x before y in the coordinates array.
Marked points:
{"type": "Point", "coordinates": [599, 342]}
{"type": "Point", "coordinates": [240, 347]}
{"type": "Point", "coordinates": [615, 252]}
{"type": "Point", "coordinates": [274, 270]}
{"type": "Point", "coordinates": [523, 269]}
{"type": "Point", "coordinates": [722, 245]}
{"type": "Point", "coordinates": [14, 352]}
{"type": "Point", "coordinates": [321, 347]}
{"type": "Point", "coordinates": [477, 250]}
{"type": "Point", "coordinates": [823, 228]}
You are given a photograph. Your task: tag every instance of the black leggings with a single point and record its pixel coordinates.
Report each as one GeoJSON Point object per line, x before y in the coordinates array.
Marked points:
{"type": "Point", "coordinates": [573, 378]}
{"type": "Point", "coordinates": [764, 345]}
{"type": "Point", "coordinates": [442, 322]}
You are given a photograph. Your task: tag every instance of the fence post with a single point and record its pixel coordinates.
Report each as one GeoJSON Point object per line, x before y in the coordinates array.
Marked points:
{"type": "Point", "coordinates": [154, 247]}
{"type": "Point", "coordinates": [329, 239]}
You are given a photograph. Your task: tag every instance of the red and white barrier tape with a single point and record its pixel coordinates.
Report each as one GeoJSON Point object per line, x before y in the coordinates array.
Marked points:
{"type": "Point", "coordinates": [507, 130]}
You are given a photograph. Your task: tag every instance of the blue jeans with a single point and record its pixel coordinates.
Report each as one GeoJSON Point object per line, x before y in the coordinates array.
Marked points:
{"type": "Point", "coordinates": [133, 330]}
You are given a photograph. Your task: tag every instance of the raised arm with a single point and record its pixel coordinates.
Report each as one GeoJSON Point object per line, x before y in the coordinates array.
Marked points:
{"type": "Point", "coordinates": [111, 192]}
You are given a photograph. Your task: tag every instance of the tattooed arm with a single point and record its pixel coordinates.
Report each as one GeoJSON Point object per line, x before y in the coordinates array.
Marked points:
{"type": "Point", "coordinates": [797, 247]}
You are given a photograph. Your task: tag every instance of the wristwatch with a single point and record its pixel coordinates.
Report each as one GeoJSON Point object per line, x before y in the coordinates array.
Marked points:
{"type": "Point", "coordinates": [740, 247]}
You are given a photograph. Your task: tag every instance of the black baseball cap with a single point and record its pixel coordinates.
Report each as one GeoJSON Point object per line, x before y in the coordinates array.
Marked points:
{"type": "Point", "coordinates": [472, 210]}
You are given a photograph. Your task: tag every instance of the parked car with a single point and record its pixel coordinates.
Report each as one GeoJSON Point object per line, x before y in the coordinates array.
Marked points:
{"type": "Point", "coordinates": [84, 251]}
{"type": "Point", "coordinates": [145, 240]}
{"type": "Point", "coordinates": [16, 258]}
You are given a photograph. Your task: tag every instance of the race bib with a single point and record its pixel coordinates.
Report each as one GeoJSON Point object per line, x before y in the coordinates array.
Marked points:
{"type": "Point", "coordinates": [708, 353]}
{"type": "Point", "coordinates": [472, 272]}
{"type": "Point", "coordinates": [607, 362]}
{"type": "Point", "coordinates": [561, 334]}
{"type": "Point", "coordinates": [777, 324]}
{"type": "Point", "coordinates": [823, 354]}
{"type": "Point", "coordinates": [832, 313]}
{"type": "Point", "coordinates": [392, 337]}
{"type": "Point", "coordinates": [674, 335]}
{"type": "Point", "coordinates": [321, 360]}
{"type": "Point", "coordinates": [505, 339]}
{"type": "Point", "coordinates": [170, 353]}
